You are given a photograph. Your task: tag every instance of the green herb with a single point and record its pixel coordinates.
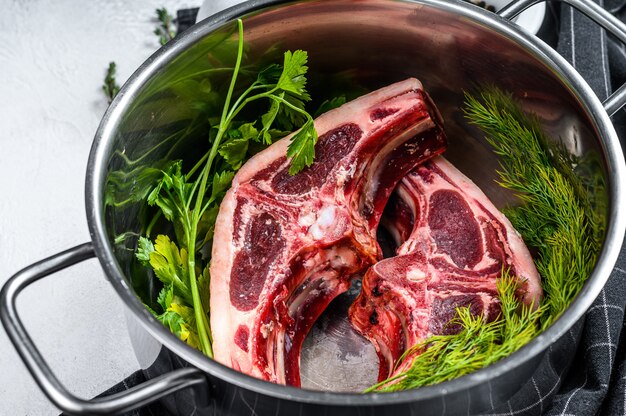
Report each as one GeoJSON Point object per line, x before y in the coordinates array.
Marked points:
{"type": "Point", "coordinates": [330, 104]}
{"type": "Point", "coordinates": [445, 357]}
{"type": "Point", "coordinates": [164, 31]}
{"type": "Point", "coordinates": [190, 201]}
{"type": "Point", "coordinates": [555, 217]}
{"type": "Point", "coordinates": [110, 86]}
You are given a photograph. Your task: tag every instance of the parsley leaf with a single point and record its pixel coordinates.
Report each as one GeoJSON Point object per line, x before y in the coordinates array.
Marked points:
{"type": "Point", "coordinates": [267, 120]}
{"type": "Point", "coordinates": [170, 265]}
{"type": "Point", "coordinates": [165, 296]}
{"type": "Point", "coordinates": [206, 225]}
{"type": "Point", "coordinates": [170, 192]}
{"type": "Point", "coordinates": [221, 182]}
{"type": "Point", "coordinates": [234, 151]}
{"type": "Point", "coordinates": [302, 148]}
{"type": "Point", "coordinates": [293, 78]}
{"type": "Point", "coordinates": [172, 321]}
{"type": "Point", "coordinates": [292, 115]}
{"type": "Point", "coordinates": [204, 282]}
{"type": "Point", "coordinates": [177, 317]}
{"type": "Point", "coordinates": [184, 317]}
{"type": "Point", "coordinates": [270, 74]}
{"type": "Point", "coordinates": [144, 249]}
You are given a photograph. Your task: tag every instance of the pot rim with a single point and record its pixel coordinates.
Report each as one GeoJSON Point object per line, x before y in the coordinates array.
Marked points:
{"type": "Point", "coordinates": [102, 146]}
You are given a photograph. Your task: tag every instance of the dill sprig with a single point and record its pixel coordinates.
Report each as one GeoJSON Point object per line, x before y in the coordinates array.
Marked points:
{"type": "Point", "coordinates": [165, 30]}
{"type": "Point", "coordinates": [555, 215]}
{"type": "Point", "coordinates": [558, 216]}
{"type": "Point", "coordinates": [110, 86]}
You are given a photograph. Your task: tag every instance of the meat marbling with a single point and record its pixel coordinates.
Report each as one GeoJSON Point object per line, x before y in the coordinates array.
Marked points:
{"type": "Point", "coordinates": [453, 244]}
{"type": "Point", "coordinates": [285, 246]}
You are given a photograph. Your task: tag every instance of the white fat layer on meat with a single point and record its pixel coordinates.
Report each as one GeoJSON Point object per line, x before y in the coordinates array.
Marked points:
{"type": "Point", "coordinates": [279, 358]}
{"type": "Point", "coordinates": [248, 211]}
{"type": "Point", "coordinates": [416, 274]}
{"type": "Point", "coordinates": [344, 174]}
{"type": "Point", "coordinates": [266, 329]}
{"type": "Point", "coordinates": [324, 223]}
{"type": "Point", "coordinates": [307, 217]}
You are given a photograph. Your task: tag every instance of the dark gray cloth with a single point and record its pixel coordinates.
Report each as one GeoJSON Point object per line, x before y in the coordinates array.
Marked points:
{"type": "Point", "coordinates": [185, 18]}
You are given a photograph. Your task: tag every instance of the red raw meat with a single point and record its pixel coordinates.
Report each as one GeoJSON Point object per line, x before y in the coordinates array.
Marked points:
{"type": "Point", "coordinates": [285, 246]}
{"type": "Point", "coordinates": [453, 244]}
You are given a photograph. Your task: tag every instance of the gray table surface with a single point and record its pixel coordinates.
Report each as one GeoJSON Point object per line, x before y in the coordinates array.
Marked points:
{"type": "Point", "coordinates": [53, 57]}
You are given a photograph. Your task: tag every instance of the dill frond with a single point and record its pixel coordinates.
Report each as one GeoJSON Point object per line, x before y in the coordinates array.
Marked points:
{"type": "Point", "coordinates": [556, 215]}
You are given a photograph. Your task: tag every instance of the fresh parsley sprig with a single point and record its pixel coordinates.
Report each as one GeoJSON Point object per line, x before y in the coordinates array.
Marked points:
{"type": "Point", "coordinates": [285, 87]}
{"type": "Point", "coordinates": [191, 201]}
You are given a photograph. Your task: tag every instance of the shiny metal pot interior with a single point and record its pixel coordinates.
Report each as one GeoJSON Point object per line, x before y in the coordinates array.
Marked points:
{"type": "Point", "coordinates": [451, 47]}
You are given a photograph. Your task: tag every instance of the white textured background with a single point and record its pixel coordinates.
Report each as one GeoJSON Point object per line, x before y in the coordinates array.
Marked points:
{"type": "Point", "coordinates": [53, 57]}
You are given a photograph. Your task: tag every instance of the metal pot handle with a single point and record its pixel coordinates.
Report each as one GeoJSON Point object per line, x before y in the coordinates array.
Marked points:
{"type": "Point", "coordinates": [124, 401]}
{"type": "Point", "coordinates": [596, 13]}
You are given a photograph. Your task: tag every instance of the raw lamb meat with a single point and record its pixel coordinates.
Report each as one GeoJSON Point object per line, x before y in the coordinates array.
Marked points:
{"type": "Point", "coordinates": [453, 244]}
{"type": "Point", "coordinates": [285, 246]}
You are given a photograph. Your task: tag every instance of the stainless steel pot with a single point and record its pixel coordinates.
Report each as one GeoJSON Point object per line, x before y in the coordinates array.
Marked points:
{"type": "Point", "coordinates": [451, 46]}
